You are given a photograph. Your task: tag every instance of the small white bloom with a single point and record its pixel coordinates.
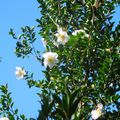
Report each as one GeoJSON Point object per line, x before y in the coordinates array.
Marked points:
{"type": "Point", "coordinates": [44, 42]}
{"type": "Point", "coordinates": [20, 73]}
{"type": "Point", "coordinates": [111, 85]}
{"type": "Point", "coordinates": [100, 106]}
{"type": "Point", "coordinates": [93, 86]}
{"type": "Point", "coordinates": [62, 36]}
{"type": "Point", "coordinates": [50, 59]}
{"type": "Point", "coordinates": [77, 32]}
{"type": "Point", "coordinates": [95, 114]}
{"type": "Point", "coordinates": [4, 118]}
{"type": "Point", "coordinates": [80, 31]}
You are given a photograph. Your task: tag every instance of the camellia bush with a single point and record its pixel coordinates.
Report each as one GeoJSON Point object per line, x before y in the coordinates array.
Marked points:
{"type": "Point", "coordinates": [81, 60]}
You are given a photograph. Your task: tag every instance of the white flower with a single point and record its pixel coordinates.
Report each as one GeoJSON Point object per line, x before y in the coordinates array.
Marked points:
{"type": "Point", "coordinates": [44, 42]}
{"type": "Point", "coordinates": [93, 86]}
{"type": "Point", "coordinates": [80, 31]}
{"type": "Point", "coordinates": [77, 32]}
{"type": "Point", "coordinates": [62, 36]}
{"type": "Point", "coordinates": [95, 114]}
{"type": "Point", "coordinates": [50, 59]}
{"type": "Point", "coordinates": [4, 118]}
{"type": "Point", "coordinates": [100, 106]}
{"type": "Point", "coordinates": [56, 43]}
{"type": "Point", "coordinates": [111, 85]}
{"type": "Point", "coordinates": [20, 73]}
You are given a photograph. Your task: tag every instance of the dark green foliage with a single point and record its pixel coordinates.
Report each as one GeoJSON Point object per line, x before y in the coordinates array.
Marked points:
{"type": "Point", "coordinates": [24, 45]}
{"type": "Point", "coordinates": [88, 71]}
{"type": "Point", "coordinates": [85, 62]}
{"type": "Point", "coordinates": [6, 105]}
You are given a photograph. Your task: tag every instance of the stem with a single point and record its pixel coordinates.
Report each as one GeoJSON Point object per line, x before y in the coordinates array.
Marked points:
{"type": "Point", "coordinates": [35, 53]}
{"type": "Point", "coordinates": [59, 7]}
{"type": "Point", "coordinates": [53, 21]}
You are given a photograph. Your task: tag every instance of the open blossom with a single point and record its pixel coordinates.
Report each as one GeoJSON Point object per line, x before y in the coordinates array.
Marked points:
{"type": "Point", "coordinates": [20, 73]}
{"type": "Point", "coordinates": [95, 114]}
{"type": "Point", "coordinates": [100, 106]}
{"type": "Point", "coordinates": [62, 36]}
{"type": "Point", "coordinates": [80, 31]}
{"type": "Point", "coordinates": [4, 118]}
{"type": "Point", "coordinates": [50, 59]}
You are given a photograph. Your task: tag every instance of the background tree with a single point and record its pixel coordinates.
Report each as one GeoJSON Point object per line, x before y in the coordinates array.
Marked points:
{"type": "Point", "coordinates": [82, 75]}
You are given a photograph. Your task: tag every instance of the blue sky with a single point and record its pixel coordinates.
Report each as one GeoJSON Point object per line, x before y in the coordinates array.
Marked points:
{"type": "Point", "coordinates": [15, 14]}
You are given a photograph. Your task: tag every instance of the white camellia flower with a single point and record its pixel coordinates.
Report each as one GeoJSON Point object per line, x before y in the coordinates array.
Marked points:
{"type": "Point", "coordinates": [100, 106]}
{"type": "Point", "coordinates": [80, 31]}
{"type": "Point", "coordinates": [62, 36]}
{"type": "Point", "coordinates": [77, 32]}
{"type": "Point", "coordinates": [44, 42]}
{"type": "Point", "coordinates": [50, 59]}
{"type": "Point", "coordinates": [95, 114]}
{"type": "Point", "coordinates": [20, 73]}
{"type": "Point", "coordinates": [4, 118]}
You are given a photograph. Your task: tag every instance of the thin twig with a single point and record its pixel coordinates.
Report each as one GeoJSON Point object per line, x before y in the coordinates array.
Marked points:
{"type": "Point", "coordinates": [53, 21]}
{"type": "Point", "coordinates": [59, 7]}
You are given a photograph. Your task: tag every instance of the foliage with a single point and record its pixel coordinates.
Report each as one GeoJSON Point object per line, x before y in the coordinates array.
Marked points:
{"type": "Point", "coordinates": [88, 71]}
{"type": "Point", "coordinates": [6, 105]}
